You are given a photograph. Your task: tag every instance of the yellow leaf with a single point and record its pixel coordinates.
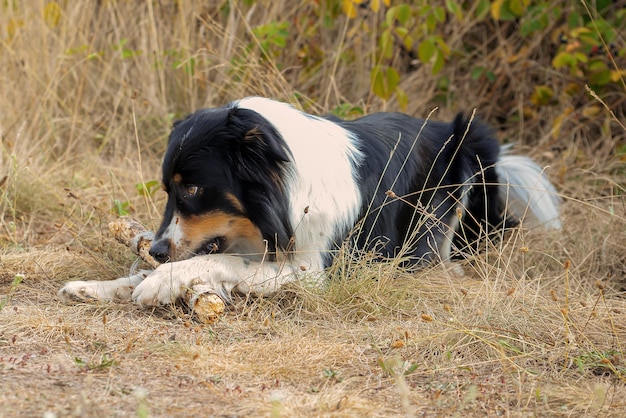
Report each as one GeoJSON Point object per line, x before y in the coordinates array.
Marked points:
{"type": "Point", "coordinates": [572, 89]}
{"type": "Point", "coordinates": [349, 7]}
{"type": "Point", "coordinates": [523, 52]}
{"type": "Point", "coordinates": [13, 26]}
{"type": "Point", "coordinates": [52, 14]}
{"type": "Point", "coordinates": [591, 111]}
{"type": "Point", "coordinates": [542, 95]}
{"type": "Point", "coordinates": [496, 9]}
{"type": "Point", "coordinates": [375, 4]}
{"type": "Point", "coordinates": [558, 122]}
{"type": "Point", "coordinates": [397, 344]}
{"type": "Point", "coordinates": [575, 33]}
{"type": "Point", "coordinates": [556, 126]}
{"type": "Point", "coordinates": [617, 75]}
{"type": "Point", "coordinates": [403, 99]}
{"type": "Point", "coordinates": [529, 113]}
{"type": "Point", "coordinates": [517, 7]}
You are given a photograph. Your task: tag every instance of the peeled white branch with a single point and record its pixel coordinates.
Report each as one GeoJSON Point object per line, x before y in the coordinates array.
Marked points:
{"type": "Point", "coordinates": [205, 304]}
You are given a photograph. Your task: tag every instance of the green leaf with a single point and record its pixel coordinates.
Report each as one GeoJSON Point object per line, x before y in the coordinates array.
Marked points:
{"type": "Point", "coordinates": [386, 44]}
{"type": "Point", "coordinates": [443, 84]}
{"type": "Point", "coordinates": [501, 10]}
{"type": "Point", "coordinates": [431, 23]}
{"type": "Point", "coordinates": [564, 59]}
{"type": "Point", "coordinates": [148, 188]}
{"type": "Point", "coordinates": [426, 51]}
{"type": "Point", "coordinates": [404, 34]}
{"type": "Point", "coordinates": [440, 14]}
{"type": "Point", "coordinates": [454, 8]}
{"type": "Point", "coordinates": [121, 208]}
{"type": "Point", "coordinates": [537, 19]}
{"type": "Point", "coordinates": [443, 46]}
{"type": "Point", "coordinates": [477, 72]}
{"type": "Point", "coordinates": [517, 7]}
{"type": "Point", "coordinates": [346, 110]}
{"type": "Point", "coordinates": [378, 84]}
{"type": "Point", "coordinates": [384, 81]}
{"type": "Point", "coordinates": [404, 14]}
{"type": "Point", "coordinates": [597, 65]}
{"type": "Point", "coordinates": [401, 31]}
{"type": "Point", "coordinates": [393, 78]}
{"type": "Point", "coordinates": [439, 62]}
{"type": "Point", "coordinates": [390, 16]}
{"type": "Point", "coordinates": [482, 9]}
{"type": "Point", "coordinates": [574, 20]}
{"type": "Point", "coordinates": [403, 99]}
{"type": "Point", "coordinates": [600, 75]}
{"type": "Point", "coordinates": [411, 368]}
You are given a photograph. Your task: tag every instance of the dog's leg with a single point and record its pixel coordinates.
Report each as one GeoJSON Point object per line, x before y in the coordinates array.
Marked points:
{"type": "Point", "coordinates": [107, 290]}
{"type": "Point", "coordinates": [432, 242]}
{"type": "Point", "coordinates": [220, 273]}
{"type": "Point", "coordinates": [436, 232]}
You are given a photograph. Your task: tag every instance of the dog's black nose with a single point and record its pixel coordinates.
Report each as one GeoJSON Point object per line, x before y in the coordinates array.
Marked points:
{"type": "Point", "coordinates": [160, 250]}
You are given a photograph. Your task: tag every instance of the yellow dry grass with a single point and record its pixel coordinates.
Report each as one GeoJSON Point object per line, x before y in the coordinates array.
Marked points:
{"type": "Point", "coordinates": [533, 325]}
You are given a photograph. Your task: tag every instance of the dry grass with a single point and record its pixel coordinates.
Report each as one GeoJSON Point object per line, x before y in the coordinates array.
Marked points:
{"type": "Point", "coordinates": [532, 326]}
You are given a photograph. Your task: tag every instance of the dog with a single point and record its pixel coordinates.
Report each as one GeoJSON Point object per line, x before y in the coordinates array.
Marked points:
{"type": "Point", "coordinates": [261, 194]}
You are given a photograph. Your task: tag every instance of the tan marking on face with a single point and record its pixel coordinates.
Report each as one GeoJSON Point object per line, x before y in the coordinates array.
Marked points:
{"type": "Point", "coordinates": [238, 231]}
{"type": "Point", "coordinates": [235, 202]}
{"type": "Point", "coordinates": [177, 178]}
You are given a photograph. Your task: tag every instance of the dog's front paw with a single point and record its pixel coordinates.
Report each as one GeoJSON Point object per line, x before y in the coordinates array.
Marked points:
{"type": "Point", "coordinates": [79, 291]}
{"type": "Point", "coordinates": [107, 290]}
{"type": "Point", "coordinates": [162, 287]}
{"type": "Point", "coordinates": [89, 291]}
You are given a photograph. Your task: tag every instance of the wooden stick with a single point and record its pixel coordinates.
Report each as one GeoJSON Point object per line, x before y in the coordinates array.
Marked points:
{"type": "Point", "coordinates": [205, 304]}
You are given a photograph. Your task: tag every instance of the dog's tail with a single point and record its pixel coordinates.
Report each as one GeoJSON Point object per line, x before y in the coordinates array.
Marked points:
{"type": "Point", "coordinates": [527, 194]}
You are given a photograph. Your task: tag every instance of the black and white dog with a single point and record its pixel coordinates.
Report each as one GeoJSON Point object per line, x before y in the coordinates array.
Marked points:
{"type": "Point", "coordinates": [260, 194]}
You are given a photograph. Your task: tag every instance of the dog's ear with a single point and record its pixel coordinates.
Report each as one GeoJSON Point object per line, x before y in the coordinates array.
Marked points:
{"type": "Point", "coordinates": [258, 138]}
{"type": "Point", "coordinates": [259, 149]}
{"type": "Point", "coordinates": [265, 140]}
{"type": "Point", "coordinates": [179, 121]}
{"type": "Point", "coordinates": [175, 125]}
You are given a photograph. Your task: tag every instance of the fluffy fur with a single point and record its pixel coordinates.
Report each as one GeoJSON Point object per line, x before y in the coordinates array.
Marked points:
{"type": "Point", "coordinates": [260, 193]}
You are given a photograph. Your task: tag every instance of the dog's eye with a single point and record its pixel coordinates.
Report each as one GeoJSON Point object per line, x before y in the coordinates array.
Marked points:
{"type": "Point", "coordinates": [191, 190]}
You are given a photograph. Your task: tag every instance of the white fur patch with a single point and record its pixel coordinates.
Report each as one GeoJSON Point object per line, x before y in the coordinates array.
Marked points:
{"type": "Point", "coordinates": [220, 272]}
{"type": "Point", "coordinates": [324, 178]}
{"type": "Point", "coordinates": [529, 196]}
{"type": "Point", "coordinates": [109, 290]}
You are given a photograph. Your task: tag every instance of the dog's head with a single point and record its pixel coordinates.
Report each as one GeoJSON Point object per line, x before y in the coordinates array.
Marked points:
{"type": "Point", "coordinates": [223, 172]}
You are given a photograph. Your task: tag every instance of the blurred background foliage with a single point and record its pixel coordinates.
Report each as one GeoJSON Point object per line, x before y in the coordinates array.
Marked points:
{"type": "Point", "coordinates": [520, 62]}
{"type": "Point", "coordinates": [102, 74]}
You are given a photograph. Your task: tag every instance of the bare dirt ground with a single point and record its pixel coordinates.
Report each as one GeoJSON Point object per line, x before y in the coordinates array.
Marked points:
{"type": "Point", "coordinates": [496, 340]}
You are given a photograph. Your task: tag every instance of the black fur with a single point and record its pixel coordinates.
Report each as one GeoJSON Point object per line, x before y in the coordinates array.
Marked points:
{"type": "Point", "coordinates": [434, 167]}
{"type": "Point", "coordinates": [441, 158]}
{"type": "Point", "coordinates": [229, 150]}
